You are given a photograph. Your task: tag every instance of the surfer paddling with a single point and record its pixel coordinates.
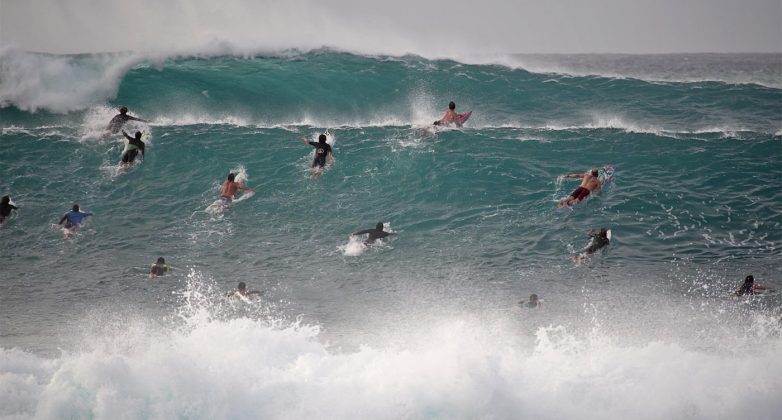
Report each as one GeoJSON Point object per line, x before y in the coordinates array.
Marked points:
{"type": "Point", "coordinates": [159, 268]}
{"type": "Point", "coordinates": [533, 302]}
{"type": "Point", "coordinates": [749, 287]}
{"type": "Point", "coordinates": [73, 219]}
{"type": "Point", "coordinates": [134, 146]}
{"type": "Point", "coordinates": [598, 240]}
{"type": "Point", "coordinates": [323, 153]}
{"type": "Point", "coordinates": [5, 208]}
{"type": "Point", "coordinates": [374, 234]}
{"type": "Point", "coordinates": [120, 119]}
{"type": "Point", "coordinates": [241, 291]}
{"type": "Point", "coordinates": [589, 183]}
{"type": "Point", "coordinates": [450, 116]}
{"type": "Point", "coordinates": [230, 187]}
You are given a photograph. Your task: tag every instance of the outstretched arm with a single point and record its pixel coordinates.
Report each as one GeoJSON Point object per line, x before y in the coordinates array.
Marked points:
{"type": "Point", "coordinates": [575, 175]}
{"type": "Point", "coordinates": [64, 218]}
{"type": "Point", "coordinates": [127, 136]}
{"type": "Point", "coordinates": [364, 232]}
{"type": "Point", "coordinates": [136, 119]}
{"type": "Point", "coordinates": [305, 140]}
{"type": "Point", "coordinates": [244, 187]}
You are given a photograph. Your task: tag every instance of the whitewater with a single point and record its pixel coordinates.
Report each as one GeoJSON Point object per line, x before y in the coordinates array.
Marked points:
{"type": "Point", "coordinates": [426, 323]}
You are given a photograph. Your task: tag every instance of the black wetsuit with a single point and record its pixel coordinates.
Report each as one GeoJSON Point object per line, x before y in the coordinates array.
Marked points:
{"type": "Point", "coordinates": [597, 243]}
{"type": "Point", "coordinates": [133, 148]}
{"type": "Point", "coordinates": [5, 210]}
{"type": "Point", "coordinates": [374, 234]}
{"type": "Point", "coordinates": [321, 151]}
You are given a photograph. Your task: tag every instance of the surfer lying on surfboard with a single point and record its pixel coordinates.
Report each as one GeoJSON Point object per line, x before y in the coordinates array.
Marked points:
{"type": "Point", "coordinates": [749, 287]}
{"type": "Point", "coordinates": [230, 187]}
{"type": "Point", "coordinates": [451, 117]}
{"type": "Point", "coordinates": [598, 240]}
{"type": "Point", "coordinates": [241, 291]}
{"type": "Point", "coordinates": [589, 183]}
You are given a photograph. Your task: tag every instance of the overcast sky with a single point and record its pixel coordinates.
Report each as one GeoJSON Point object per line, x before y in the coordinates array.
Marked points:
{"type": "Point", "coordinates": [403, 26]}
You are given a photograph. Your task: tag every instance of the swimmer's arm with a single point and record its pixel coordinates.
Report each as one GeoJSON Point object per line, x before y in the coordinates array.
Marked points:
{"type": "Point", "coordinates": [127, 136]}
{"type": "Point", "coordinates": [364, 232]}
{"type": "Point", "coordinates": [253, 292]}
{"type": "Point", "coordinates": [575, 175]}
{"type": "Point", "coordinates": [244, 187]}
{"type": "Point", "coordinates": [330, 157]}
{"type": "Point", "coordinates": [64, 218]}
{"type": "Point", "coordinates": [136, 119]}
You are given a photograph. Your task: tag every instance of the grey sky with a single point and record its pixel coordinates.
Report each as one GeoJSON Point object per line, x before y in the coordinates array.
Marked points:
{"type": "Point", "coordinates": [429, 28]}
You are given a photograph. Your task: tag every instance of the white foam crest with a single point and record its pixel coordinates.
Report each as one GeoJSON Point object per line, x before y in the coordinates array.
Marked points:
{"type": "Point", "coordinates": [60, 83]}
{"type": "Point", "coordinates": [457, 368]}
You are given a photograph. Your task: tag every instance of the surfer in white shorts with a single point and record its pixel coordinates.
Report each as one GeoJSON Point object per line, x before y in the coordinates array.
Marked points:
{"type": "Point", "coordinates": [230, 187]}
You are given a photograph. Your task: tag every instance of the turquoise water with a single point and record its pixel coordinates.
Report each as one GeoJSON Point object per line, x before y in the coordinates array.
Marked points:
{"type": "Point", "coordinates": [693, 209]}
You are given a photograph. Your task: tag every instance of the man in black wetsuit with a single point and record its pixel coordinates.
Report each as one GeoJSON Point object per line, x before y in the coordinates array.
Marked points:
{"type": "Point", "coordinates": [374, 234]}
{"type": "Point", "coordinates": [6, 207]}
{"type": "Point", "coordinates": [134, 146]}
{"type": "Point", "coordinates": [120, 119]}
{"type": "Point", "coordinates": [598, 241]}
{"type": "Point", "coordinates": [322, 154]}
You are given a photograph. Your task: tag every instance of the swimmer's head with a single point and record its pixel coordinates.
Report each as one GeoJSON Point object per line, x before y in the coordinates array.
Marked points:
{"type": "Point", "coordinates": [123, 110]}
{"type": "Point", "coordinates": [604, 232]}
{"type": "Point", "coordinates": [138, 135]}
{"type": "Point", "coordinates": [231, 177]}
{"type": "Point", "coordinates": [533, 298]}
{"type": "Point", "coordinates": [379, 226]}
{"type": "Point", "coordinates": [6, 199]}
{"type": "Point", "coordinates": [595, 172]}
{"type": "Point", "coordinates": [161, 260]}
{"type": "Point", "coordinates": [241, 286]}
{"type": "Point", "coordinates": [322, 138]}
{"type": "Point", "coordinates": [451, 105]}
{"type": "Point", "coordinates": [75, 207]}
{"type": "Point", "coordinates": [749, 279]}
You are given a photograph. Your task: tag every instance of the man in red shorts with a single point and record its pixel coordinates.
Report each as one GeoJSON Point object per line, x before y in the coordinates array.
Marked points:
{"type": "Point", "coordinates": [589, 183]}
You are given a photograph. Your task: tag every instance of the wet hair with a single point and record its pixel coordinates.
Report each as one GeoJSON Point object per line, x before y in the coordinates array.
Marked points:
{"type": "Point", "coordinates": [138, 135]}
{"type": "Point", "coordinates": [123, 109]}
{"type": "Point", "coordinates": [379, 226]}
{"type": "Point", "coordinates": [604, 232]}
{"type": "Point", "coordinates": [749, 279]}
{"type": "Point", "coordinates": [241, 286]}
{"type": "Point", "coordinates": [595, 172]}
{"type": "Point", "coordinates": [231, 177]}
{"type": "Point", "coordinates": [75, 207]}
{"type": "Point", "coordinates": [322, 138]}
{"type": "Point", "coordinates": [533, 297]}
{"type": "Point", "coordinates": [161, 260]}
{"type": "Point", "coordinates": [6, 199]}
{"type": "Point", "coordinates": [451, 105]}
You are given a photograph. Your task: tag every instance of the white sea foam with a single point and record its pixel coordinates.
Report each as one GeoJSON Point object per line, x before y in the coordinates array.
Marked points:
{"type": "Point", "coordinates": [456, 368]}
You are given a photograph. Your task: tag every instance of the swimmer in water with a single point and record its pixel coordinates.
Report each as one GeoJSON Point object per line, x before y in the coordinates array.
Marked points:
{"type": "Point", "coordinates": [589, 183]}
{"type": "Point", "coordinates": [241, 291]}
{"type": "Point", "coordinates": [159, 268]}
{"type": "Point", "coordinates": [374, 234]}
{"type": "Point", "coordinates": [323, 153]}
{"type": "Point", "coordinates": [598, 240]}
{"type": "Point", "coordinates": [6, 207]}
{"type": "Point", "coordinates": [135, 145]}
{"type": "Point", "coordinates": [120, 119]}
{"type": "Point", "coordinates": [533, 302]}
{"type": "Point", "coordinates": [230, 187]}
{"type": "Point", "coordinates": [73, 219]}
